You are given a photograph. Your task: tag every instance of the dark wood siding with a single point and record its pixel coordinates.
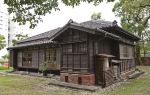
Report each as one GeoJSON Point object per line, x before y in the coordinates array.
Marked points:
{"type": "Point", "coordinates": [35, 58]}
{"type": "Point", "coordinates": [19, 58]}
{"type": "Point", "coordinates": [75, 55]}
{"type": "Point", "coordinates": [41, 56]}
{"type": "Point", "coordinates": [31, 57]}
{"type": "Point", "coordinates": [126, 57]}
{"type": "Point", "coordinates": [58, 56]}
{"type": "Point", "coordinates": [91, 54]}
{"type": "Point", "coordinates": [76, 61]}
{"type": "Point", "coordinates": [104, 46]}
{"type": "Point", "coordinates": [11, 58]}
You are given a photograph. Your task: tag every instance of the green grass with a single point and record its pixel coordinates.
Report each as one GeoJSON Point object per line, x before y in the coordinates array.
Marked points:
{"type": "Point", "coordinates": [139, 86]}
{"type": "Point", "coordinates": [25, 85]}
{"type": "Point", "coordinates": [3, 69]}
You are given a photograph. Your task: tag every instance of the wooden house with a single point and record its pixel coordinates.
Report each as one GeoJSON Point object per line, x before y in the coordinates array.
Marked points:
{"type": "Point", "coordinates": [29, 53]}
{"type": "Point", "coordinates": [89, 53]}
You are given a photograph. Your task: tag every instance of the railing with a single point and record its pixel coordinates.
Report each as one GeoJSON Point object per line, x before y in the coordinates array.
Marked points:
{"type": "Point", "coordinates": [127, 64]}
{"type": "Point", "coordinates": [108, 77]}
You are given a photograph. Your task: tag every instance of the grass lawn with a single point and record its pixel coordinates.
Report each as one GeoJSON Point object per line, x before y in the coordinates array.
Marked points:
{"type": "Point", "coordinates": [139, 86]}
{"type": "Point", "coordinates": [26, 85]}
{"type": "Point", "coordinates": [4, 69]}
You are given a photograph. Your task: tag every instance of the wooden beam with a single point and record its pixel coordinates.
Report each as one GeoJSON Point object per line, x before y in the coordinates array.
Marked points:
{"type": "Point", "coordinates": [88, 52]}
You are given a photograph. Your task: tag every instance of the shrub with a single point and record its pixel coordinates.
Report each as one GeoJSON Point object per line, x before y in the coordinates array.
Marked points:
{"type": "Point", "coordinates": [43, 68]}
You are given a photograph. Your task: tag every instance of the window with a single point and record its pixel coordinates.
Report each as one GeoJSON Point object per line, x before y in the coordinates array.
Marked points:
{"type": "Point", "coordinates": [27, 58]}
{"type": "Point", "coordinates": [50, 55]}
{"type": "Point", "coordinates": [125, 51]}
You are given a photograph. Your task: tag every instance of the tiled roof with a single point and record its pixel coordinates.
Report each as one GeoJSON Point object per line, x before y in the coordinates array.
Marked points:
{"type": "Point", "coordinates": [93, 24]}
{"type": "Point", "coordinates": [39, 39]}
{"type": "Point", "coordinates": [46, 36]}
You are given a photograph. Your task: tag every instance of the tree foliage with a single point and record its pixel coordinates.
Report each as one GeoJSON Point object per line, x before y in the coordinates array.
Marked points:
{"type": "Point", "coordinates": [2, 42]}
{"type": "Point", "coordinates": [18, 37]}
{"type": "Point", "coordinates": [32, 10]}
{"type": "Point", "coordinates": [135, 15]}
{"type": "Point", "coordinates": [96, 16]}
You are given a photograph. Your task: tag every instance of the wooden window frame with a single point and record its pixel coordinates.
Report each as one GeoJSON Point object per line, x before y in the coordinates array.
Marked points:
{"type": "Point", "coordinates": [26, 59]}
{"type": "Point", "coordinates": [50, 55]}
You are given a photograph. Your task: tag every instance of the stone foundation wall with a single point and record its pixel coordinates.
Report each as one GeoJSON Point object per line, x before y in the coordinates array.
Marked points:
{"type": "Point", "coordinates": [124, 75]}
{"type": "Point", "coordinates": [84, 79]}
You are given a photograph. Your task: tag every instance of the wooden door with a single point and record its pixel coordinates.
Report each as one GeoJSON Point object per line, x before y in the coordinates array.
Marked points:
{"type": "Point", "coordinates": [99, 71]}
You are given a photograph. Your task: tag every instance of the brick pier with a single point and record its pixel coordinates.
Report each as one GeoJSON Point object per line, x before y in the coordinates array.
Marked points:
{"type": "Point", "coordinates": [83, 79]}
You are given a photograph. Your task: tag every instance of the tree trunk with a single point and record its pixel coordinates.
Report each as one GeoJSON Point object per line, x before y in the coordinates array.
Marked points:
{"type": "Point", "coordinates": [138, 54]}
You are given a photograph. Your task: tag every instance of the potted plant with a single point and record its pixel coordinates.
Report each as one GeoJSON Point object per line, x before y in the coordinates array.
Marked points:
{"type": "Point", "coordinates": [43, 68]}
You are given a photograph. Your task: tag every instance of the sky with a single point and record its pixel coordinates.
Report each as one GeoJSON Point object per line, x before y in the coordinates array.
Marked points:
{"type": "Point", "coordinates": [79, 14]}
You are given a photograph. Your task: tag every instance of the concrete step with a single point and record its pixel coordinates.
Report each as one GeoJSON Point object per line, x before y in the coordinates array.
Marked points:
{"type": "Point", "coordinates": [74, 86]}
{"type": "Point", "coordinates": [135, 74]}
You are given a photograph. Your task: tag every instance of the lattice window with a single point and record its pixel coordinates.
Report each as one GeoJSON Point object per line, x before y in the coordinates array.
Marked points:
{"type": "Point", "coordinates": [125, 51]}
{"type": "Point", "coordinates": [50, 55]}
{"type": "Point", "coordinates": [27, 58]}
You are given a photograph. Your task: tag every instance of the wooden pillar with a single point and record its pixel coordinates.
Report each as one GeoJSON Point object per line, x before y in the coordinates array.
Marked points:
{"type": "Point", "coordinates": [88, 53]}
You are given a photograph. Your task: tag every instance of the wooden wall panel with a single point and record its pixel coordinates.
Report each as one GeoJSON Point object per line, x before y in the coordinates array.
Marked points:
{"type": "Point", "coordinates": [104, 46]}
{"type": "Point", "coordinates": [64, 61]}
{"type": "Point", "coordinates": [70, 60]}
{"type": "Point", "coordinates": [58, 56]}
{"type": "Point", "coordinates": [76, 61]}
{"type": "Point", "coordinates": [91, 58]}
{"type": "Point", "coordinates": [131, 51]}
{"type": "Point", "coordinates": [35, 58]}
{"type": "Point", "coordinates": [11, 58]}
{"type": "Point", "coordinates": [19, 58]}
{"type": "Point", "coordinates": [41, 56]}
{"type": "Point", "coordinates": [84, 61]}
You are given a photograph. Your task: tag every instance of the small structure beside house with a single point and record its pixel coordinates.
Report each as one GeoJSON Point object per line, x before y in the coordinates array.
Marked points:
{"type": "Point", "coordinates": [146, 59]}
{"type": "Point", "coordinates": [88, 53]}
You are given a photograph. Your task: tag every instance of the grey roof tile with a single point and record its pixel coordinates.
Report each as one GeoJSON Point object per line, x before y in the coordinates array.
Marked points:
{"type": "Point", "coordinates": [97, 24]}
{"type": "Point", "coordinates": [46, 37]}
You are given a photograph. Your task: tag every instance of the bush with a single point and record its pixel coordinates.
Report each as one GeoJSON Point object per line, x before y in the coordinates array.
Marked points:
{"type": "Point", "coordinates": [43, 68]}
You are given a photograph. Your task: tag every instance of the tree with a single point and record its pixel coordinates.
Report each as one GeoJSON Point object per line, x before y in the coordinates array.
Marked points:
{"type": "Point", "coordinates": [96, 16]}
{"type": "Point", "coordinates": [18, 37]}
{"type": "Point", "coordinates": [2, 42]}
{"type": "Point", "coordinates": [134, 16]}
{"type": "Point", "coordinates": [32, 10]}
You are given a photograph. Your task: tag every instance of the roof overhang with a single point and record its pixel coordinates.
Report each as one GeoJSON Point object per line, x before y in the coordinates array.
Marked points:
{"type": "Point", "coordinates": [136, 38]}
{"type": "Point", "coordinates": [30, 45]}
